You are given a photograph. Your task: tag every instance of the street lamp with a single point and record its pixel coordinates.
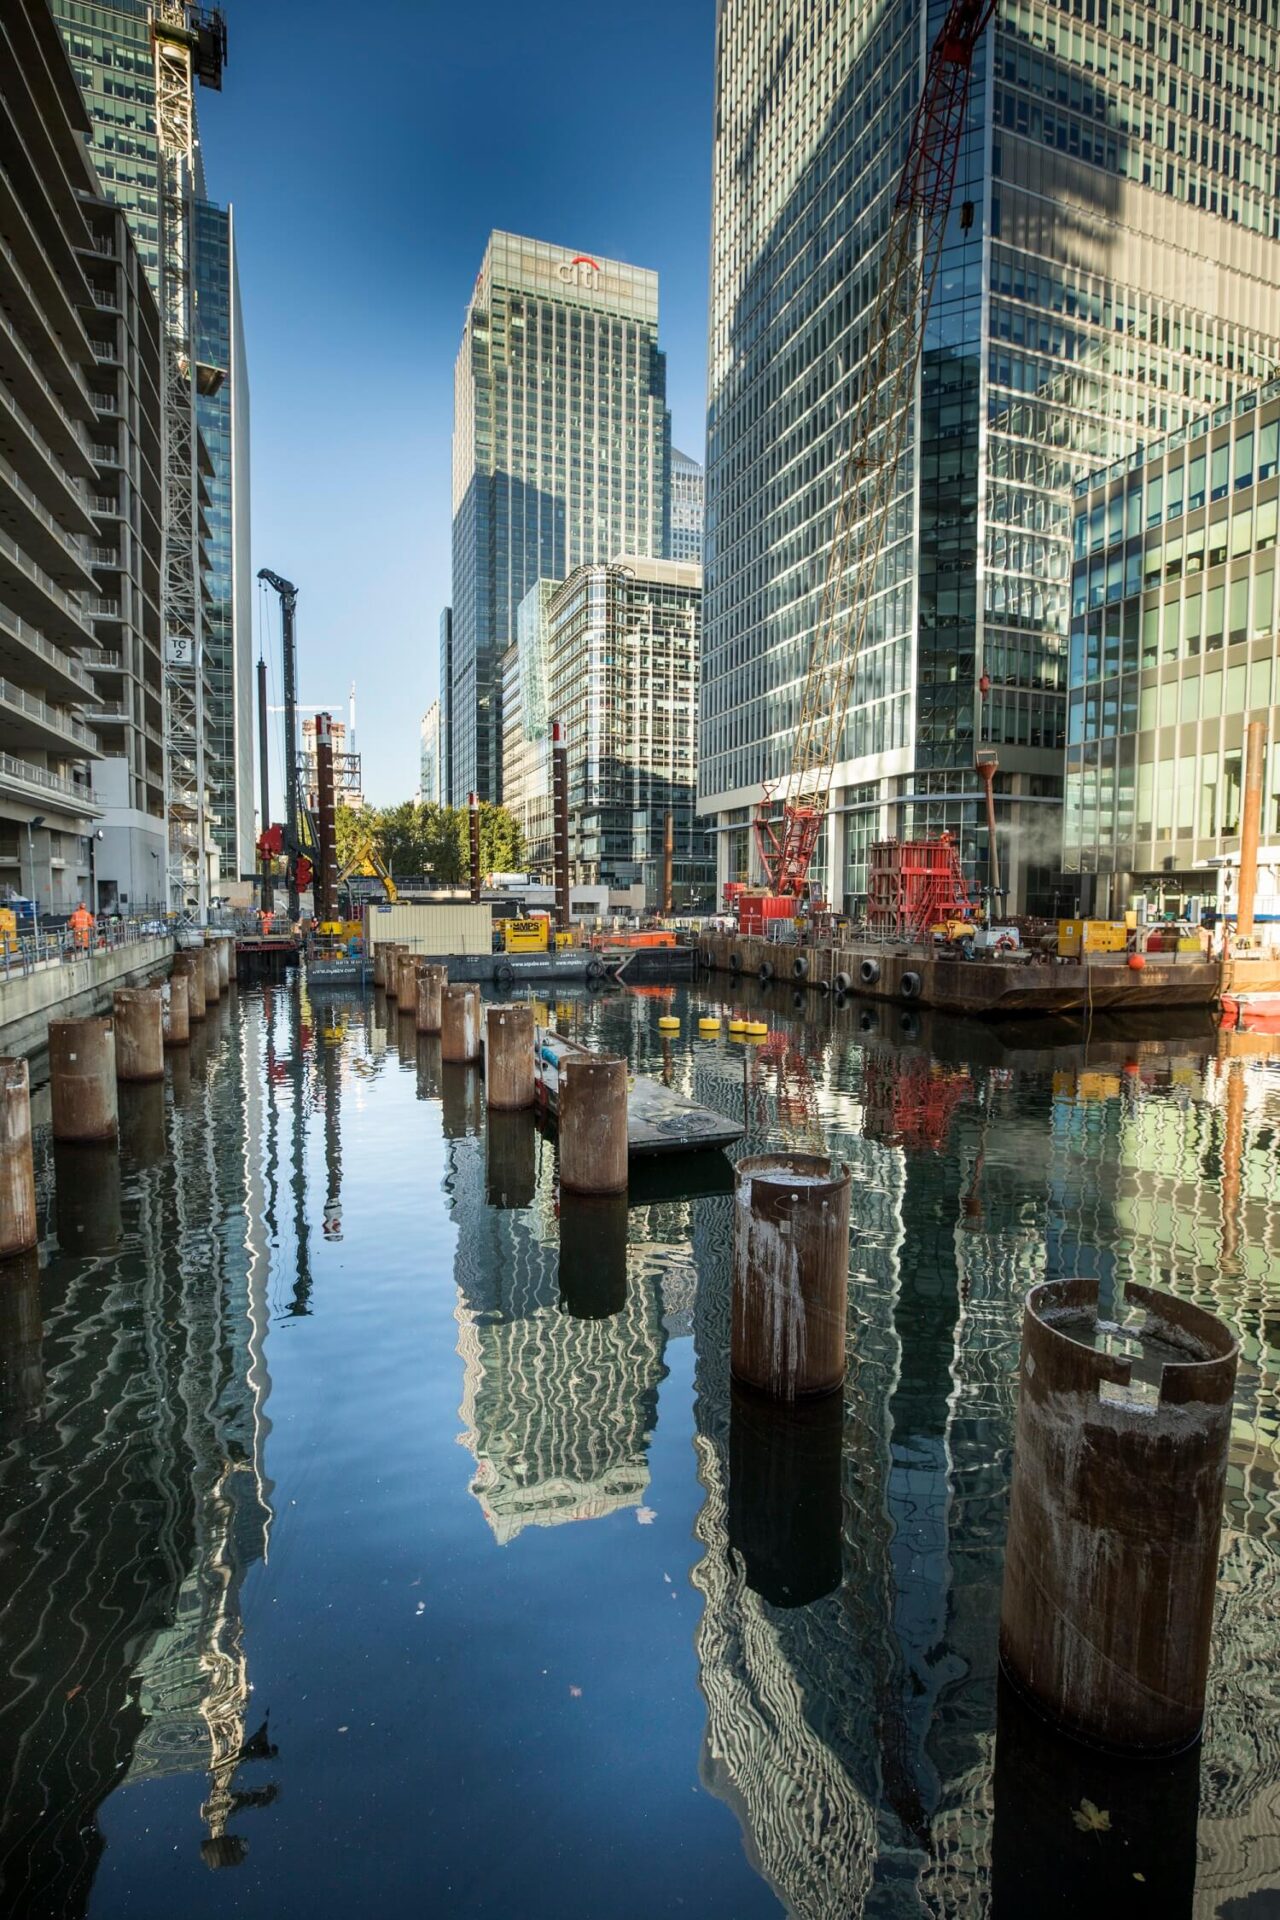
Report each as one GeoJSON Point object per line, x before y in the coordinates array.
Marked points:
{"type": "Point", "coordinates": [32, 824]}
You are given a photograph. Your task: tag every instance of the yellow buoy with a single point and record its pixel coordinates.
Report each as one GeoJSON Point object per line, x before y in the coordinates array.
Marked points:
{"type": "Point", "coordinates": [669, 1023]}
{"type": "Point", "coordinates": [708, 1024]}
{"type": "Point", "coordinates": [737, 1026]}
{"type": "Point", "coordinates": [757, 1028]}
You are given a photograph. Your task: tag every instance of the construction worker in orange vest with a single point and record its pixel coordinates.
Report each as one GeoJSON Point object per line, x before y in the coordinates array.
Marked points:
{"type": "Point", "coordinates": [81, 924]}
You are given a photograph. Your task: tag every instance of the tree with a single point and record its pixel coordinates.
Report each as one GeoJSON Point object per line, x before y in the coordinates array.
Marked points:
{"type": "Point", "coordinates": [433, 842]}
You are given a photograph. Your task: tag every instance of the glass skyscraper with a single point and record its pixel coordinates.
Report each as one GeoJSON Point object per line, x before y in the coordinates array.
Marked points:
{"type": "Point", "coordinates": [1108, 273]}
{"type": "Point", "coordinates": [561, 455]}
{"type": "Point", "coordinates": [687, 494]}
{"type": "Point", "coordinates": [111, 53]}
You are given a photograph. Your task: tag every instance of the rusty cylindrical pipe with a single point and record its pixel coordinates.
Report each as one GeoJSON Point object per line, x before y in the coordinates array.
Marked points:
{"type": "Point", "coordinates": [460, 1024]}
{"type": "Point", "coordinates": [430, 984]}
{"type": "Point", "coordinates": [1112, 1556]}
{"type": "Point", "coordinates": [593, 1123]}
{"type": "Point", "coordinates": [82, 1073]}
{"type": "Point", "coordinates": [1250, 820]}
{"type": "Point", "coordinates": [175, 1009]}
{"type": "Point", "coordinates": [139, 1022]}
{"type": "Point", "coordinates": [380, 965]}
{"type": "Point", "coordinates": [212, 982]}
{"type": "Point", "coordinates": [407, 982]}
{"type": "Point", "coordinates": [391, 953]}
{"type": "Point", "coordinates": [790, 1273]}
{"type": "Point", "coordinates": [508, 1057]}
{"type": "Point", "coordinates": [19, 1229]}
{"type": "Point", "coordinates": [191, 966]}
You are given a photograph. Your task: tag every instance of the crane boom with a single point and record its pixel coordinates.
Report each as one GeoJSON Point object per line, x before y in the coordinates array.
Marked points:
{"type": "Point", "coordinates": [878, 427]}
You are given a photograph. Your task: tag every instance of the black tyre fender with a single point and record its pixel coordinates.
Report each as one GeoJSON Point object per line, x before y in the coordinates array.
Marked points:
{"type": "Point", "coordinates": [504, 973]}
{"type": "Point", "coordinates": [765, 974]}
{"type": "Point", "coordinates": [800, 967]}
{"type": "Point", "coordinates": [842, 983]}
{"type": "Point", "coordinates": [823, 986]}
{"type": "Point", "coordinates": [595, 969]}
{"type": "Point", "coordinates": [735, 963]}
{"type": "Point", "coordinates": [869, 972]}
{"type": "Point", "coordinates": [910, 984]}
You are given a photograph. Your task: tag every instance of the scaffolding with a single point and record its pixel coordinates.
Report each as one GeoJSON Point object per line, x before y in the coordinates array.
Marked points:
{"type": "Point", "coordinates": [189, 44]}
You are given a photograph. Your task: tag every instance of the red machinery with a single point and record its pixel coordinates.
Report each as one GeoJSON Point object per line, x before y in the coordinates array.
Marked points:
{"type": "Point", "coordinates": [912, 885]}
{"type": "Point", "coordinates": [879, 425]}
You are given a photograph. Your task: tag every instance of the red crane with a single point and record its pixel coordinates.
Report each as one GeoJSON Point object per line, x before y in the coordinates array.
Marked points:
{"type": "Point", "coordinates": [879, 421]}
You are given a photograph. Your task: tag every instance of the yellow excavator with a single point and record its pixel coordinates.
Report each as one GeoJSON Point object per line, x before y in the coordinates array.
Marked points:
{"type": "Point", "coordinates": [368, 863]}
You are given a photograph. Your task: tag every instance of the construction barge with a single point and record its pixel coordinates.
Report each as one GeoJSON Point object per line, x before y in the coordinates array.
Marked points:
{"type": "Point", "coordinates": [992, 985]}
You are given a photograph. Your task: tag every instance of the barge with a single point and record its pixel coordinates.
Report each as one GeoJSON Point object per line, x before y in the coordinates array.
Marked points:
{"type": "Point", "coordinates": [991, 985]}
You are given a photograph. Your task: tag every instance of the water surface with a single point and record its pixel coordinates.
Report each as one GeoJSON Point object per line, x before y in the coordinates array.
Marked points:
{"type": "Point", "coordinates": [380, 1533]}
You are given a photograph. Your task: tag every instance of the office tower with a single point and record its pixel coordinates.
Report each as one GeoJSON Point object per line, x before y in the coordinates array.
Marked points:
{"type": "Point", "coordinates": [446, 704]}
{"type": "Point", "coordinates": [1174, 650]}
{"type": "Point", "coordinates": [48, 476]}
{"type": "Point", "coordinates": [114, 63]}
{"type": "Point", "coordinates": [612, 654]}
{"type": "Point", "coordinates": [429, 757]}
{"type": "Point", "coordinates": [561, 456]}
{"type": "Point", "coordinates": [687, 492]}
{"type": "Point", "coordinates": [1108, 274]}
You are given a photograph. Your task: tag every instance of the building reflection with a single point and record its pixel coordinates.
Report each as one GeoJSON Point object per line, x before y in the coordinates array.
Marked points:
{"type": "Point", "coordinates": [133, 1487]}
{"type": "Point", "coordinates": [853, 1731]}
{"type": "Point", "coordinates": [562, 1345]}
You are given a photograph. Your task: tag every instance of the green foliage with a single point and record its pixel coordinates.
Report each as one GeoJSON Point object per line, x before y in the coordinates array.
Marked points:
{"type": "Point", "coordinates": [433, 842]}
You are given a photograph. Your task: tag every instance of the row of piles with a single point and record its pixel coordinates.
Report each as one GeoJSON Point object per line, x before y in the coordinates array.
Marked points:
{"type": "Point", "coordinates": [87, 1060]}
{"type": "Point", "coordinates": [592, 1089]}
{"type": "Point", "coordinates": [1119, 1468]}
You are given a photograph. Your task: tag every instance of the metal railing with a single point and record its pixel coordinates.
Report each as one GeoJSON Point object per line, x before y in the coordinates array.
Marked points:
{"type": "Point", "coordinates": [32, 637]}
{"type": "Point", "coordinates": [51, 717]}
{"type": "Point", "coordinates": [35, 776]}
{"type": "Point", "coordinates": [51, 947]}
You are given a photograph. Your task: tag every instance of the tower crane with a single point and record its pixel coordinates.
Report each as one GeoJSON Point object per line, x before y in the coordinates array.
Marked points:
{"type": "Point", "coordinates": [878, 426]}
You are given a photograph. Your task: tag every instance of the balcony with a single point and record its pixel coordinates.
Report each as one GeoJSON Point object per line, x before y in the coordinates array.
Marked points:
{"type": "Point", "coordinates": [27, 720]}
{"type": "Point", "coordinates": [37, 783]}
{"type": "Point", "coordinates": [38, 308]}
{"type": "Point", "coordinates": [104, 660]}
{"type": "Point", "coordinates": [28, 655]}
{"type": "Point", "coordinates": [41, 599]}
{"type": "Point", "coordinates": [99, 607]}
{"type": "Point", "coordinates": [45, 539]}
{"type": "Point", "coordinates": [41, 405]}
{"type": "Point", "coordinates": [104, 454]}
{"type": "Point", "coordinates": [30, 454]}
{"type": "Point", "coordinates": [103, 503]}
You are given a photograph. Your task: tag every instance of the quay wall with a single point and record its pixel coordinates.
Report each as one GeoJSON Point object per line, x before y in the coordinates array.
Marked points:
{"type": "Point", "coordinates": [70, 990]}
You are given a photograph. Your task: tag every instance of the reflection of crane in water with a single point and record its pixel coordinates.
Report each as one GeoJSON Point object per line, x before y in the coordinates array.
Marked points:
{"type": "Point", "coordinates": [292, 1069]}
{"type": "Point", "coordinates": [911, 1098]}
{"type": "Point", "coordinates": [329, 1091]}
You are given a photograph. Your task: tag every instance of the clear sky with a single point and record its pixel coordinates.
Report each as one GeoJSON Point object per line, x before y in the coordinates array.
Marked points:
{"type": "Point", "coordinates": [368, 152]}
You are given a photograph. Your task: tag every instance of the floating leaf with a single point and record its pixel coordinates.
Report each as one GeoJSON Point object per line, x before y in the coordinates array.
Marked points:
{"type": "Point", "coordinates": [1091, 1819]}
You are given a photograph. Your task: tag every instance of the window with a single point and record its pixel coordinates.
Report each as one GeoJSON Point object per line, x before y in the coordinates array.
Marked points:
{"type": "Point", "coordinates": [1218, 475]}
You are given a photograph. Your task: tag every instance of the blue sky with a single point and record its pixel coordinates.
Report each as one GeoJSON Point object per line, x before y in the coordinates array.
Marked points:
{"type": "Point", "coordinates": [368, 152]}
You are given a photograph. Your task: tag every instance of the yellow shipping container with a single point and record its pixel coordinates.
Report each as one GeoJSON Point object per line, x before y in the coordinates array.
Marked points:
{"type": "Point", "coordinates": [1091, 936]}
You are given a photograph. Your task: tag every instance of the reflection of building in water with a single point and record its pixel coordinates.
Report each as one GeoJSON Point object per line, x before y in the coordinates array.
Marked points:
{"type": "Point", "coordinates": [556, 1409]}
{"type": "Point", "coordinates": [130, 1512]}
{"type": "Point", "coordinates": [1186, 1146]}
{"type": "Point", "coordinates": [193, 1678]}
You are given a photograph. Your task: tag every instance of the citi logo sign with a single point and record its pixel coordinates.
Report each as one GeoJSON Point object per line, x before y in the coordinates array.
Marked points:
{"type": "Point", "coordinates": [581, 271]}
